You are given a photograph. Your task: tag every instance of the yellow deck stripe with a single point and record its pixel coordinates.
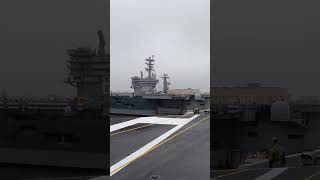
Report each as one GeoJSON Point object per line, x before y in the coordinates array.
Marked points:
{"type": "Point", "coordinates": [158, 145]}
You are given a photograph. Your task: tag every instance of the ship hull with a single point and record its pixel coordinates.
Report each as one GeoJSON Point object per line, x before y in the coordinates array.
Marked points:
{"type": "Point", "coordinates": [147, 106]}
{"type": "Point", "coordinates": [154, 105]}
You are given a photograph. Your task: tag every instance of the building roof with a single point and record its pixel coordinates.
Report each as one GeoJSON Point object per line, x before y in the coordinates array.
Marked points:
{"type": "Point", "coordinates": [188, 91]}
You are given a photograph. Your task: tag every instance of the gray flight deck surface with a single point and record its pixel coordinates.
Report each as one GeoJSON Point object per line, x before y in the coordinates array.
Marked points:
{"type": "Point", "coordinates": [115, 119]}
{"type": "Point", "coordinates": [128, 142]}
{"type": "Point", "coordinates": [27, 172]}
{"type": "Point", "coordinates": [294, 171]}
{"type": "Point", "coordinates": [184, 157]}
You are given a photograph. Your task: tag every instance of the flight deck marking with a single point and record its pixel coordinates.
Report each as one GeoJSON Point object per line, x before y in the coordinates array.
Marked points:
{"type": "Point", "coordinates": [128, 130]}
{"type": "Point", "coordinates": [274, 172]}
{"type": "Point", "coordinates": [161, 140]}
{"type": "Point", "coordinates": [233, 173]}
{"type": "Point", "coordinates": [152, 145]}
{"type": "Point", "coordinates": [148, 120]}
{"type": "Point", "coordinates": [312, 176]}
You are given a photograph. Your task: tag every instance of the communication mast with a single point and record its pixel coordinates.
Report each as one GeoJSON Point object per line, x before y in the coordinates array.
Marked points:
{"type": "Point", "coordinates": [165, 83]}
{"type": "Point", "coordinates": [150, 65]}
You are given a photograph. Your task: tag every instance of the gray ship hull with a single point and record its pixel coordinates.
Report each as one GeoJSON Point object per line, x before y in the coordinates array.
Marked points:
{"type": "Point", "coordinates": [136, 112]}
{"type": "Point", "coordinates": [44, 133]}
{"type": "Point", "coordinates": [145, 112]}
{"type": "Point", "coordinates": [147, 105]}
{"type": "Point", "coordinates": [155, 105]}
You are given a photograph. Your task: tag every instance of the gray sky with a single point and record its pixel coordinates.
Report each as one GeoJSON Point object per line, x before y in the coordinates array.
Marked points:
{"type": "Point", "coordinates": [273, 42]}
{"type": "Point", "coordinates": [177, 32]}
{"type": "Point", "coordinates": [34, 37]}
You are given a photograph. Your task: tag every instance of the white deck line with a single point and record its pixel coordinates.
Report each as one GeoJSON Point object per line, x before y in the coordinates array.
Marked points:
{"type": "Point", "coordinates": [271, 174]}
{"type": "Point", "coordinates": [117, 167]}
{"type": "Point", "coordinates": [161, 120]}
{"type": "Point", "coordinates": [149, 120]}
{"type": "Point", "coordinates": [123, 125]}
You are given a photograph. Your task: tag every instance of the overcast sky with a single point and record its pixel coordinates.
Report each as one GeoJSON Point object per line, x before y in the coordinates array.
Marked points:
{"type": "Point", "coordinates": [274, 42]}
{"type": "Point", "coordinates": [34, 37]}
{"type": "Point", "coordinates": [177, 32]}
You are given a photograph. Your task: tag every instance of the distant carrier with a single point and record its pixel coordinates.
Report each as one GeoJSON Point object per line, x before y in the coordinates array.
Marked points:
{"type": "Point", "coordinates": [146, 100]}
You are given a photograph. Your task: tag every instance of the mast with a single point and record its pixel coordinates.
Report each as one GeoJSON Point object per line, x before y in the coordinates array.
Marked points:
{"type": "Point", "coordinates": [150, 65]}
{"type": "Point", "coordinates": [101, 48]}
{"type": "Point", "coordinates": [165, 83]}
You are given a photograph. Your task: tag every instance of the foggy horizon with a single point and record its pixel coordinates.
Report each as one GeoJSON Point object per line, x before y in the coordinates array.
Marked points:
{"type": "Point", "coordinates": [176, 32]}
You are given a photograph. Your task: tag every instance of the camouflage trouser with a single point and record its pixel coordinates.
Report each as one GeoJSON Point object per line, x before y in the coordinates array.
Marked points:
{"type": "Point", "coordinates": [277, 160]}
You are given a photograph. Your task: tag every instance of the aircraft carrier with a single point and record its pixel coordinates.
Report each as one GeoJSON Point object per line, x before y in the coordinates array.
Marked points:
{"type": "Point", "coordinates": [58, 136]}
{"type": "Point", "coordinates": [147, 101]}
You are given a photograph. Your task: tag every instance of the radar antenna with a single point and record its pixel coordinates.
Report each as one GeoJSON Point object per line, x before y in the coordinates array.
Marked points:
{"type": "Point", "coordinates": [150, 65]}
{"type": "Point", "coordinates": [166, 83]}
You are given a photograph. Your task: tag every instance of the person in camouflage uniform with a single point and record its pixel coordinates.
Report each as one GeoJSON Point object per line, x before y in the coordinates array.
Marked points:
{"type": "Point", "coordinates": [277, 157]}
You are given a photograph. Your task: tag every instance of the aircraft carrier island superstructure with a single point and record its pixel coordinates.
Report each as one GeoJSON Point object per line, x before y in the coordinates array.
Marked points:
{"type": "Point", "coordinates": [55, 126]}
{"type": "Point", "coordinates": [147, 101]}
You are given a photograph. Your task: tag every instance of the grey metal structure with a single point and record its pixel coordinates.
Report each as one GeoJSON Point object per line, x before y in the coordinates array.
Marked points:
{"type": "Point", "coordinates": [56, 129]}
{"type": "Point", "coordinates": [166, 84]}
{"type": "Point", "coordinates": [146, 85]}
{"type": "Point", "coordinates": [89, 70]}
{"type": "Point", "coordinates": [248, 129]}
